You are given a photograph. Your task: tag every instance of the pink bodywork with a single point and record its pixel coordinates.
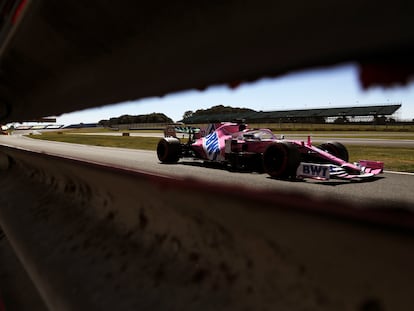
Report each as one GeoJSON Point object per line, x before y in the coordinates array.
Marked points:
{"type": "Point", "coordinates": [212, 145]}
{"type": "Point", "coordinates": [223, 138]}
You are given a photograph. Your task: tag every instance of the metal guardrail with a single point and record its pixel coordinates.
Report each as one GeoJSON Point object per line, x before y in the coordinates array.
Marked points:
{"type": "Point", "coordinates": [94, 237]}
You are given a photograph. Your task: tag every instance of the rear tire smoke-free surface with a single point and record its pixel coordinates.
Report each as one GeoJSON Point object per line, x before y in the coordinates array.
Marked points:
{"type": "Point", "coordinates": [168, 150]}
{"type": "Point", "coordinates": [280, 160]}
{"type": "Point", "coordinates": [336, 149]}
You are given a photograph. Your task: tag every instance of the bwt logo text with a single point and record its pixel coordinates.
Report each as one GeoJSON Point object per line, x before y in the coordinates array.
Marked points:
{"type": "Point", "coordinates": [315, 170]}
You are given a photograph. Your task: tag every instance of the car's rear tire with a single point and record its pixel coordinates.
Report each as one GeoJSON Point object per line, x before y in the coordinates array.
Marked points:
{"type": "Point", "coordinates": [336, 149]}
{"type": "Point", "coordinates": [169, 150]}
{"type": "Point", "coordinates": [281, 160]}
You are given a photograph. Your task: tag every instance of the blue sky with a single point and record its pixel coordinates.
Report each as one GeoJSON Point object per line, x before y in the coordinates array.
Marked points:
{"type": "Point", "coordinates": [332, 87]}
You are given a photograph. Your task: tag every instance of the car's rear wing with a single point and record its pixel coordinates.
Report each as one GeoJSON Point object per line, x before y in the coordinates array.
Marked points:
{"type": "Point", "coordinates": [171, 130]}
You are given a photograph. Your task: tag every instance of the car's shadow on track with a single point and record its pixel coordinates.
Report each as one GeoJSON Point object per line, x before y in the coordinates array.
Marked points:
{"type": "Point", "coordinates": [203, 164]}
{"type": "Point", "coordinates": [292, 180]}
{"type": "Point", "coordinates": [331, 182]}
{"type": "Point", "coordinates": [337, 182]}
{"type": "Point", "coordinates": [218, 166]}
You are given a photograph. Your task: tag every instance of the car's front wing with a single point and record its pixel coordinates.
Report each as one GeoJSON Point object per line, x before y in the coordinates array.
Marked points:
{"type": "Point", "coordinates": [327, 171]}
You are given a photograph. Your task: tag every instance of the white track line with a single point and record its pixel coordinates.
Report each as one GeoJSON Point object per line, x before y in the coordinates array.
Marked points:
{"type": "Point", "coordinates": [400, 173]}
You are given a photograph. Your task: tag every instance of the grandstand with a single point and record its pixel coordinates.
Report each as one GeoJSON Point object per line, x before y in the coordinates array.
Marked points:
{"type": "Point", "coordinates": [371, 114]}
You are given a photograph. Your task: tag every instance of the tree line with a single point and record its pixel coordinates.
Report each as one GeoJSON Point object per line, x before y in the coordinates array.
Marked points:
{"type": "Point", "coordinates": [143, 118]}
{"type": "Point", "coordinates": [219, 109]}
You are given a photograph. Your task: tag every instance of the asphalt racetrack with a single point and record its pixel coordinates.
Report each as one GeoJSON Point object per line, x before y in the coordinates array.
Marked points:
{"type": "Point", "coordinates": [389, 188]}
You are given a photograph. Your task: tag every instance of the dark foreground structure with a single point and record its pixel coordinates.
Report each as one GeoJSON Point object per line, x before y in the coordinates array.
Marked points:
{"type": "Point", "coordinates": [79, 235]}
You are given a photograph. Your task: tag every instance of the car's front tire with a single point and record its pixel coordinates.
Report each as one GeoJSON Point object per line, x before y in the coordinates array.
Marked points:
{"type": "Point", "coordinates": [281, 160]}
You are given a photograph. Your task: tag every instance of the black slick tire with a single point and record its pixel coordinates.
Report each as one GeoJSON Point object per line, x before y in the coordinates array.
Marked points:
{"type": "Point", "coordinates": [336, 149]}
{"type": "Point", "coordinates": [169, 150]}
{"type": "Point", "coordinates": [280, 160]}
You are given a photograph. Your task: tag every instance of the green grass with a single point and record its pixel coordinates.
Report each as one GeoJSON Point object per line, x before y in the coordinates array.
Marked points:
{"type": "Point", "coordinates": [395, 158]}
{"type": "Point", "coordinates": [131, 142]}
{"type": "Point", "coordinates": [384, 134]}
{"type": "Point", "coordinates": [108, 130]}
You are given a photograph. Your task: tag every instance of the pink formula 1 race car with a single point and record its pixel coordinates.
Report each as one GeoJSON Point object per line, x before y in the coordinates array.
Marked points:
{"type": "Point", "coordinates": [239, 147]}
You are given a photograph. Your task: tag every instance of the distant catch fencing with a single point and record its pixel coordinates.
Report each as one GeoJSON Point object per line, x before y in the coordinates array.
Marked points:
{"type": "Point", "coordinates": [139, 126]}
